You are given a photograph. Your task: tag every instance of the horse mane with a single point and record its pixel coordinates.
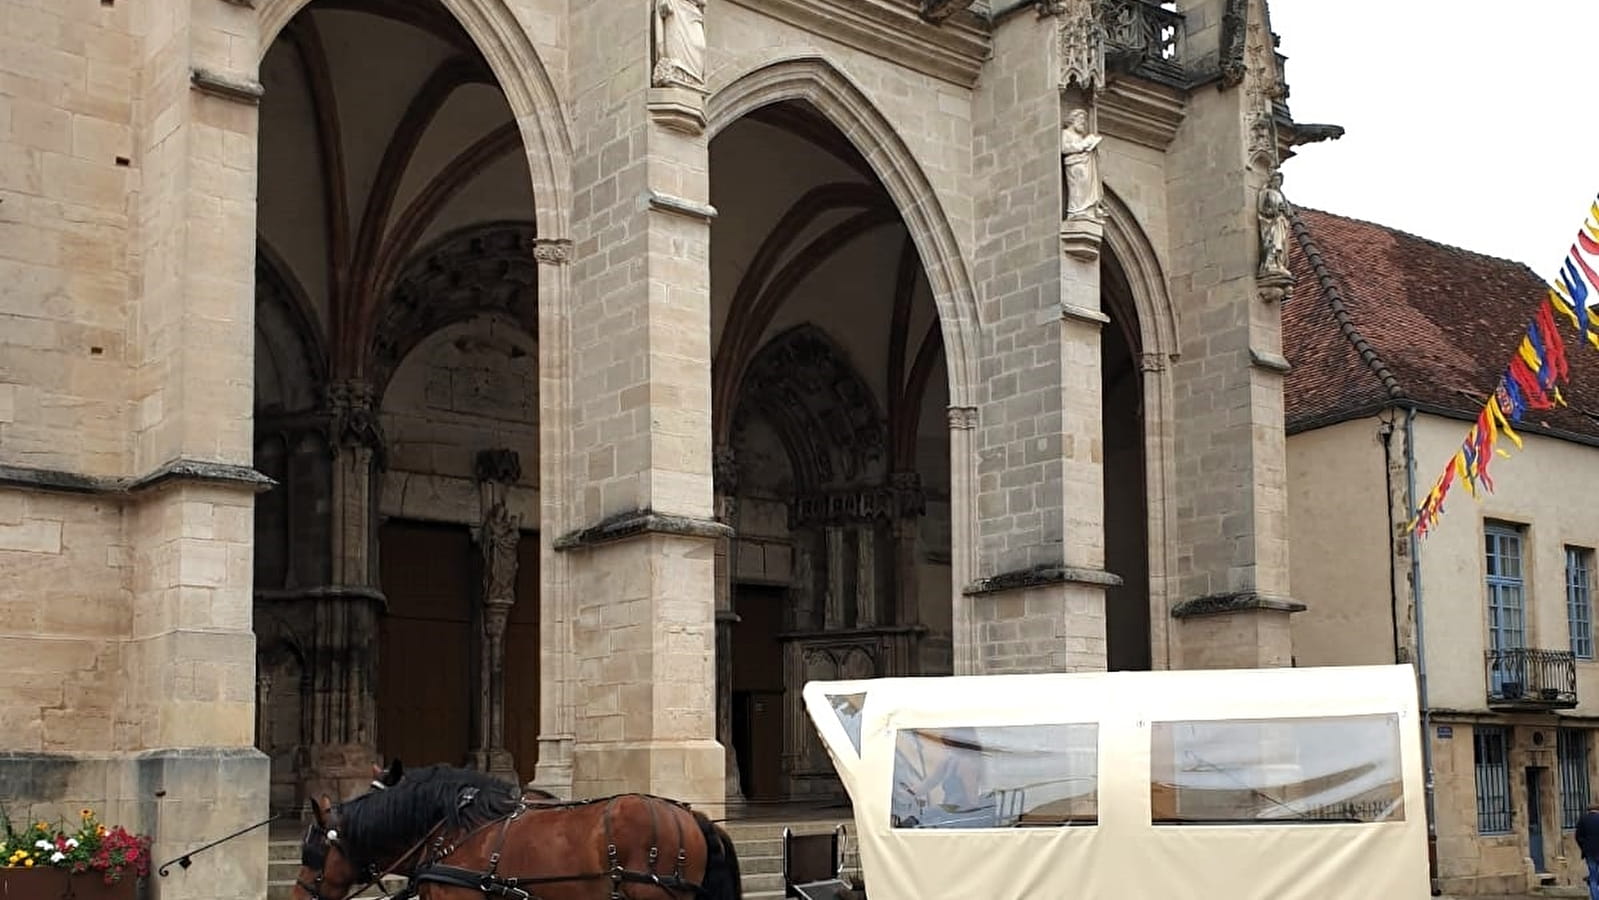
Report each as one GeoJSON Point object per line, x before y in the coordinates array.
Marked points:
{"type": "Point", "coordinates": [392, 819]}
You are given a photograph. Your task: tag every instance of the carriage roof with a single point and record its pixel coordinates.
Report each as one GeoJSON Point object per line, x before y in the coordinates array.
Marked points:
{"type": "Point", "coordinates": [1270, 783]}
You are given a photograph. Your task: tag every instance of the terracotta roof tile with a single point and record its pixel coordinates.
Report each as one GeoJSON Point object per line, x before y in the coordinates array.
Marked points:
{"type": "Point", "coordinates": [1439, 322]}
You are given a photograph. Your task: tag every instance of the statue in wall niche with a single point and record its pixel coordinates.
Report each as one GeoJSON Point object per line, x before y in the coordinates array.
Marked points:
{"type": "Point", "coordinates": [1274, 211]}
{"type": "Point", "coordinates": [1079, 152]}
{"type": "Point", "coordinates": [500, 536]}
{"type": "Point", "coordinates": [679, 44]}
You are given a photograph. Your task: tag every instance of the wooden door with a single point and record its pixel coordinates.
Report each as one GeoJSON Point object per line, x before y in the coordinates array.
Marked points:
{"type": "Point", "coordinates": [758, 690]}
{"type": "Point", "coordinates": [426, 652]}
{"type": "Point", "coordinates": [522, 661]}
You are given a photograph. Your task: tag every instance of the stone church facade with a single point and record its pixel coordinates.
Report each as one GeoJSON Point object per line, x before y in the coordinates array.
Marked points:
{"type": "Point", "coordinates": [555, 387]}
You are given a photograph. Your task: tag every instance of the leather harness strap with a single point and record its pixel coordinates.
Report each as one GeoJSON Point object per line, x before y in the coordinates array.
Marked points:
{"type": "Point", "coordinates": [491, 883]}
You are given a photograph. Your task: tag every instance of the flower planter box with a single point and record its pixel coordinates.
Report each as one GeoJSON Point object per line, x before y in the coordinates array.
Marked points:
{"type": "Point", "coordinates": [57, 884]}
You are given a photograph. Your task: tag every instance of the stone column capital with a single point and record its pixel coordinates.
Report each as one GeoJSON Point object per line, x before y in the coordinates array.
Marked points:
{"type": "Point", "coordinates": [552, 251]}
{"type": "Point", "coordinates": [963, 418]}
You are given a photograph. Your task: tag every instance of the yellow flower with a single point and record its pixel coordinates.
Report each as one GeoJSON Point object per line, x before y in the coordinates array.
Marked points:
{"type": "Point", "coordinates": [28, 864]}
{"type": "Point", "coordinates": [86, 813]}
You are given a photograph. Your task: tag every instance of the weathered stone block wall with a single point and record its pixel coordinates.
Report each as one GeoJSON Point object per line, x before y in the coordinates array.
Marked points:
{"type": "Point", "coordinates": [65, 606]}
{"type": "Point", "coordinates": [66, 148]}
{"type": "Point", "coordinates": [1057, 628]}
{"type": "Point", "coordinates": [1016, 267]}
{"type": "Point", "coordinates": [126, 234]}
{"type": "Point", "coordinates": [643, 631]}
{"type": "Point", "coordinates": [1232, 518]}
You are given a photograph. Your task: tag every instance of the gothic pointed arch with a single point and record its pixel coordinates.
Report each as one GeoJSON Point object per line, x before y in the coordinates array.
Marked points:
{"type": "Point", "coordinates": [816, 82]}
{"type": "Point", "coordinates": [1138, 266]}
{"type": "Point", "coordinates": [496, 31]}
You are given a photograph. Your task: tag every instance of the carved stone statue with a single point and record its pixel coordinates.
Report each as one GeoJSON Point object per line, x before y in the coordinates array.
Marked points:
{"type": "Point", "coordinates": [1079, 151]}
{"type": "Point", "coordinates": [679, 44]}
{"type": "Point", "coordinates": [500, 536]}
{"type": "Point", "coordinates": [1274, 211]}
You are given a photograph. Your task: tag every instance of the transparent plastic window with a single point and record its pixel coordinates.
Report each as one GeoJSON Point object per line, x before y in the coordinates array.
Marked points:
{"type": "Point", "coordinates": [996, 777]}
{"type": "Point", "coordinates": [1298, 771]}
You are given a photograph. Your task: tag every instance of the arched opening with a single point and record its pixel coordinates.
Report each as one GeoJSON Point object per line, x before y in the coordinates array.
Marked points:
{"type": "Point", "coordinates": [1124, 413]}
{"type": "Point", "coordinates": [829, 385]}
{"type": "Point", "coordinates": [396, 400]}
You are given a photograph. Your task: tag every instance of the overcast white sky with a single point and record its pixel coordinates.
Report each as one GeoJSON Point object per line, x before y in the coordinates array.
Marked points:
{"type": "Point", "coordinates": [1472, 123]}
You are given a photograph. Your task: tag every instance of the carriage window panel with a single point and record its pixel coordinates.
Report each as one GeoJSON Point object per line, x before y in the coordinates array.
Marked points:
{"type": "Point", "coordinates": [1493, 780]}
{"type": "Point", "coordinates": [1579, 600]}
{"type": "Point", "coordinates": [1005, 776]}
{"type": "Point", "coordinates": [1572, 752]}
{"type": "Point", "coordinates": [1338, 769]}
{"type": "Point", "coordinates": [848, 709]}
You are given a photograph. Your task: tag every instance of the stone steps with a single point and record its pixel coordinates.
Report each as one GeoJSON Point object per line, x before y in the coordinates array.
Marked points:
{"type": "Point", "coordinates": [759, 843]}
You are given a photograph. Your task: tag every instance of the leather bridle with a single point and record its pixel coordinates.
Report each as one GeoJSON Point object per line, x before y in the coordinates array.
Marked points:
{"type": "Point", "coordinates": [369, 874]}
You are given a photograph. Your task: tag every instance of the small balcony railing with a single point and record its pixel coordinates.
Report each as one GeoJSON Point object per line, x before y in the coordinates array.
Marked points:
{"type": "Point", "coordinates": [1144, 37]}
{"type": "Point", "coordinates": [1524, 678]}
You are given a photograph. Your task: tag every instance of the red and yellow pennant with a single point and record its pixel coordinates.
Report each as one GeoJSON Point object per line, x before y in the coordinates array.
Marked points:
{"type": "Point", "coordinates": [1531, 381]}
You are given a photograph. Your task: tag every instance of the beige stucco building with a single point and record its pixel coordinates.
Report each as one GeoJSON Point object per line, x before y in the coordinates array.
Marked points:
{"type": "Point", "coordinates": [1394, 341]}
{"type": "Point", "coordinates": [556, 386]}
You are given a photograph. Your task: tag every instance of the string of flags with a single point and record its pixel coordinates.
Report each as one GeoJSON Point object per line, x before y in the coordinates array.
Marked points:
{"type": "Point", "coordinates": [1532, 380]}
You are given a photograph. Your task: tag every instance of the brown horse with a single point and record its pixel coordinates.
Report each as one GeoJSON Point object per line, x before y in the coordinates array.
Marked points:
{"type": "Point", "coordinates": [460, 834]}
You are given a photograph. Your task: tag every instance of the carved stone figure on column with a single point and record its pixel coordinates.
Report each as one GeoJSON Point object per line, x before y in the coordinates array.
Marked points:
{"type": "Point", "coordinates": [501, 535]}
{"type": "Point", "coordinates": [1079, 151]}
{"type": "Point", "coordinates": [498, 538]}
{"type": "Point", "coordinates": [1274, 211]}
{"type": "Point", "coordinates": [1083, 224]}
{"type": "Point", "coordinates": [679, 44]}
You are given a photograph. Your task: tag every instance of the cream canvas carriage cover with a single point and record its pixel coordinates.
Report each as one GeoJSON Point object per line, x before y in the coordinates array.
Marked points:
{"type": "Point", "coordinates": [1273, 784]}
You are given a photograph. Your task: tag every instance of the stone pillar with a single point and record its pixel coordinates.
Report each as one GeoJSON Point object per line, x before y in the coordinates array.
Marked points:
{"type": "Point", "coordinates": [498, 538]}
{"type": "Point", "coordinates": [1230, 443]}
{"type": "Point", "coordinates": [725, 476]}
{"type": "Point", "coordinates": [1036, 601]}
{"type": "Point", "coordinates": [553, 772]}
{"type": "Point", "coordinates": [962, 542]}
{"type": "Point", "coordinates": [187, 714]}
{"type": "Point", "coordinates": [642, 552]}
{"type": "Point", "coordinates": [343, 664]}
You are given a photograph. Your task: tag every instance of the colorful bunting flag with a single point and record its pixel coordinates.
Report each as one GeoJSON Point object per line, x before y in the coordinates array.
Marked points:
{"type": "Point", "coordinates": [1531, 381]}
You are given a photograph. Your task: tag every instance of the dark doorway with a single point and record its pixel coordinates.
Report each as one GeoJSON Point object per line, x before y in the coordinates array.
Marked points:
{"type": "Point", "coordinates": [1535, 819]}
{"type": "Point", "coordinates": [425, 654]}
{"type": "Point", "coordinates": [758, 690]}
{"type": "Point", "coordinates": [1127, 642]}
{"type": "Point", "coordinates": [522, 643]}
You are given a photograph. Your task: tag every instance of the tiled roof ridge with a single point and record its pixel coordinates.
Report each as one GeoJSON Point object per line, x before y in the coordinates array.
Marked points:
{"type": "Point", "coordinates": [1341, 315]}
{"type": "Point", "coordinates": [1411, 235]}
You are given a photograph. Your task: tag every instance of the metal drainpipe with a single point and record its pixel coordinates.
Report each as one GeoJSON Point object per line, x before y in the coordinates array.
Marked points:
{"type": "Point", "coordinates": [1421, 655]}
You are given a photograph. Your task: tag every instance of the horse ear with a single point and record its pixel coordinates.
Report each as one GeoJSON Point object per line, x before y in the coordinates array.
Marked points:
{"type": "Point", "coordinates": [393, 774]}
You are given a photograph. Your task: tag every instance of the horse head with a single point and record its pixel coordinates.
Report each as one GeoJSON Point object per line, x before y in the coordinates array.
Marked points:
{"type": "Point", "coordinates": [354, 843]}
{"type": "Point", "coordinates": [327, 870]}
